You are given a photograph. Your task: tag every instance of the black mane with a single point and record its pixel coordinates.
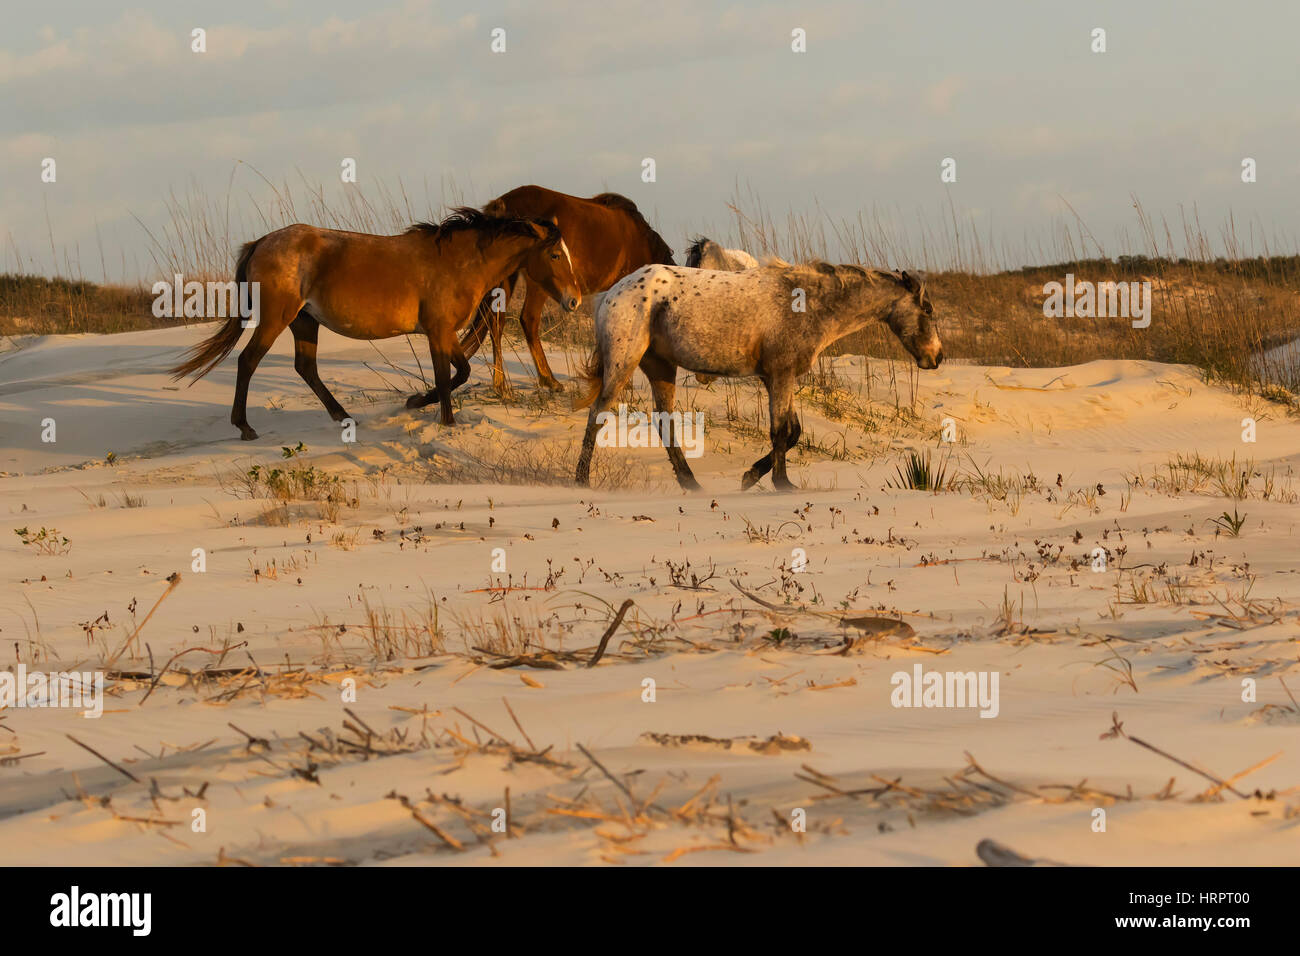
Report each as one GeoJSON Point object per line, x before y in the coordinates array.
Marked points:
{"type": "Point", "coordinates": [468, 219]}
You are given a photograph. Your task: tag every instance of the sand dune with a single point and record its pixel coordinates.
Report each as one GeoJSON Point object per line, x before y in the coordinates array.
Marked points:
{"type": "Point", "coordinates": [393, 588]}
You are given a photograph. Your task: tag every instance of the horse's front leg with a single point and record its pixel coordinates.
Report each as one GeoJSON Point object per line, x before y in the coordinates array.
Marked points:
{"type": "Point", "coordinates": [444, 350]}
{"type": "Point", "coordinates": [442, 378]}
{"type": "Point", "coordinates": [756, 471]}
{"type": "Point", "coordinates": [530, 317]}
{"type": "Point", "coordinates": [782, 441]}
{"type": "Point", "coordinates": [462, 366]}
{"type": "Point", "coordinates": [784, 432]}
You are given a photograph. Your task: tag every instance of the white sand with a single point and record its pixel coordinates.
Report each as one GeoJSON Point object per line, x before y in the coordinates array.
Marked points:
{"type": "Point", "coordinates": [715, 674]}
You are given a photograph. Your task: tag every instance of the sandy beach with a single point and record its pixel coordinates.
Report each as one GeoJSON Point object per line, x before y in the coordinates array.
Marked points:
{"type": "Point", "coordinates": [389, 665]}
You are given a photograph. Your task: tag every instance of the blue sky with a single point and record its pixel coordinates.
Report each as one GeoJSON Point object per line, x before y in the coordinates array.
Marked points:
{"type": "Point", "coordinates": [710, 90]}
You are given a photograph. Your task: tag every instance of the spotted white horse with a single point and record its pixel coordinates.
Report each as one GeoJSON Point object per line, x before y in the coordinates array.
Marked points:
{"type": "Point", "coordinates": [662, 318]}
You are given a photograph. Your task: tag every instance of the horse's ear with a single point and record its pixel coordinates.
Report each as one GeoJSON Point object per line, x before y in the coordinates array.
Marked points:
{"type": "Point", "coordinates": [555, 220]}
{"type": "Point", "coordinates": [911, 283]}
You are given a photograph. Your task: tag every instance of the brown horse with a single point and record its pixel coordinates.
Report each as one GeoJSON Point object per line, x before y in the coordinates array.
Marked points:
{"type": "Point", "coordinates": [430, 278]}
{"type": "Point", "coordinates": [608, 238]}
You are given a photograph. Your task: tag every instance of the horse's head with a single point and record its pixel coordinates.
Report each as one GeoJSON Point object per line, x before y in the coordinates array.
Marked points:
{"type": "Point", "coordinates": [911, 319]}
{"type": "Point", "coordinates": [550, 266]}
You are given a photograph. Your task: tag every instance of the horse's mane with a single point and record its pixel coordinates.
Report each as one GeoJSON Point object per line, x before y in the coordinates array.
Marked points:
{"type": "Point", "coordinates": [825, 284]}
{"type": "Point", "coordinates": [468, 219]}
{"type": "Point", "coordinates": [659, 250]}
{"type": "Point", "coordinates": [616, 201]}
{"type": "Point", "coordinates": [818, 269]}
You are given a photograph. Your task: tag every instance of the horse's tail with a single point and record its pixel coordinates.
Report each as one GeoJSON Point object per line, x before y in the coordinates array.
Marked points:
{"type": "Point", "coordinates": [209, 353]}
{"type": "Point", "coordinates": [593, 379]}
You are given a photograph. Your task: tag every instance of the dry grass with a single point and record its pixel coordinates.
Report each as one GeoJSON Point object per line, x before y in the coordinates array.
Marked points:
{"type": "Point", "coordinates": [1194, 474]}
{"type": "Point", "coordinates": [34, 305]}
{"type": "Point", "coordinates": [1210, 312]}
{"type": "Point", "coordinates": [525, 462]}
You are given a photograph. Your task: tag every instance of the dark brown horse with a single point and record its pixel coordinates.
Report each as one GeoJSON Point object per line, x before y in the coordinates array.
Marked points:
{"type": "Point", "coordinates": [607, 237]}
{"type": "Point", "coordinates": [430, 278]}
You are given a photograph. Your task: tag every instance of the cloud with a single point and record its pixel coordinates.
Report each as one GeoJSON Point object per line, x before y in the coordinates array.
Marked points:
{"type": "Point", "coordinates": [939, 97]}
{"type": "Point", "coordinates": [709, 88]}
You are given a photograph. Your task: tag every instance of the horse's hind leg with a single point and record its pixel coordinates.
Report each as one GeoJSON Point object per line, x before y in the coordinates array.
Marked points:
{"type": "Point", "coordinates": [271, 322]}
{"type": "Point", "coordinates": [616, 375]}
{"type": "Point", "coordinates": [531, 319]}
{"type": "Point", "coordinates": [663, 384]}
{"type": "Point", "coordinates": [305, 330]}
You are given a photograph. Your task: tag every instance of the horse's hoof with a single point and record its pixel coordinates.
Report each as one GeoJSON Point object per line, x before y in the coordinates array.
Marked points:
{"type": "Point", "coordinates": [417, 401]}
{"type": "Point", "coordinates": [553, 384]}
{"type": "Point", "coordinates": [784, 484]}
{"type": "Point", "coordinates": [748, 480]}
{"type": "Point", "coordinates": [341, 415]}
{"type": "Point", "coordinates": [690, 485]}
{"type": "Point", "coordinates": [247, 434]}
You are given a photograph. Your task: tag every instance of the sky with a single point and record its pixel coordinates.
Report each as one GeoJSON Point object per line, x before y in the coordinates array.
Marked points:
{"type": "Point", "coordinates": [1046, 133]}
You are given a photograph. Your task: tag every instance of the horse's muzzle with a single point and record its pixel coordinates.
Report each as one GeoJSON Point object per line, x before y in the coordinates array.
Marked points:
{"type": "Point", "coordinates": [929, 361]}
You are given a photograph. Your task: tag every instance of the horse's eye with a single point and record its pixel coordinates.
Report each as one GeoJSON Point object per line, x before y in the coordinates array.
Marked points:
{"type": "Point", "coordinates": [555, 255]}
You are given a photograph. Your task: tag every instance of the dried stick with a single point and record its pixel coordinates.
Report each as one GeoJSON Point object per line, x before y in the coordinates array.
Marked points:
{"type": "Point", "coordinates": [615, 781]}
{"type": "Point", "coordinates": [124, 772]}
{"type": "Point", "coordinates": [1117, 730]}
{"type": "Point", "coordinates": [519, 725]}
{"type": "Point", "coordinates": [604, 640]}
{"type": "Point", "coordinates": [173, 579]}
{"type": "Point", "coordinates": [504, 740]}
